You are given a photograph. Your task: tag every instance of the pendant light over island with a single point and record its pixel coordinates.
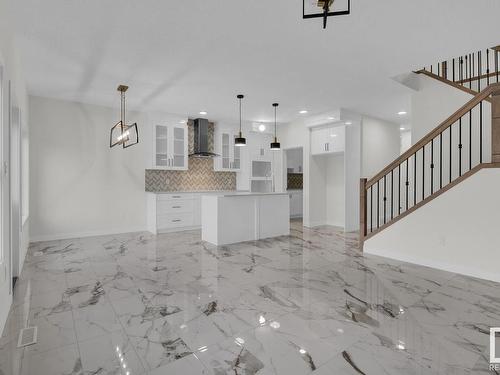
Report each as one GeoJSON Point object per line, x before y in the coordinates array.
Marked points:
{"type": "Point", "coordinates": [275, 146]}
{"type": "Point", "coordinates": [239, 140]}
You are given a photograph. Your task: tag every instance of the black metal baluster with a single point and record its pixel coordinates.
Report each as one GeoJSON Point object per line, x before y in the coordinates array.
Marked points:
{"type": "Point", "coordinates": [399, 189]}
{"type": "Point", "coordinates": [371, 208]}
{"type": "Point", "coordinates": [415, 179]}
{"type": "Point", "coordinates": [423, 172]}
{"type": "Point", "coordinates": [385, 200]}
{"type": "Point", "coordinates": [441, 160]}
{"type": "Point", "coordinates": [473, 56]}
{"type": "Point", "coordinates": [461, 71]}
{"type": "Point", "coordinates": [453, 70]}
{"type": "Point", "coordinates": [488, 67]}
{"type": "Point", "coordinates": [480, 70]}
{"type": "Point", "coordinates": [378, 204]}
{"type": "Point", "coordinates": [407, 184]}
{"type": "Point", "coordinates": [439, 72]}
{"type": "Point", "coordinates": [496, 64]}
{"type": "Point", "coordinates": [392, 194]}
{"type": "Point", "coordinates": [480, 132]}
{"type": "Point", "coordinates": [432, 166]}
{"type": "Point", "coordinates": [450, 150]}
{"type": "Point", "coordinates": [470, 72]}
{"type": "Point", "coordinates": [466, 70]}
{"type": "Point", "coordinates": [470, 139]}
{"type": "Point", "coordinates": [460, 146]}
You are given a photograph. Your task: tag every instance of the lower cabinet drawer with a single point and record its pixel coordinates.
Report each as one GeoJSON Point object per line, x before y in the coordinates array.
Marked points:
{"type": "Point", "coordinates": [175, 206]}
{"type": "Point", "coordinates": [175, 220]}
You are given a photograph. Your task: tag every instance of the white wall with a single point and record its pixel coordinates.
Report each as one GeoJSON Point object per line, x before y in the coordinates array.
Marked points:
{"type": "Point", "coordinates": [380, 145]}
{"type": "Point", "coordinates": [457, 231]}
{"type": "Point", "coordinates": [293, 135]}
{"type": "Point", "coordinates": [433, 103]}
{"type": "Point", "coordinates": [405, 141]}
{"type": "Point", "coordinates": [12, 75]}
{"type": "Point", "coordinates": [79, 186]}
{"type": "Point", "coordinates": [294, 160]}
{"type": "Point", "coordinates": [335, 190]}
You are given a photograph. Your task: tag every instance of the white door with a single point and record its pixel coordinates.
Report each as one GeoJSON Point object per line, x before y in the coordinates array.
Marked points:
{"type": "Point", "coordinates": [5, 258]}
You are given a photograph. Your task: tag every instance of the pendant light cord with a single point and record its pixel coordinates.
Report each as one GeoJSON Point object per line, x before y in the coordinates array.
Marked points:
{"type": "Point", "coordinates": [123, 108]}
{"type": "Point", "coordinates": [240, 115]}
{"type": "Point", "coordinates": [275, 133]}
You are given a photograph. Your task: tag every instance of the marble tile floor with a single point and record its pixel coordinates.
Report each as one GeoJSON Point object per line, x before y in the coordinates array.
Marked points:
{"type": "Point", "coordinates": [308, 303]}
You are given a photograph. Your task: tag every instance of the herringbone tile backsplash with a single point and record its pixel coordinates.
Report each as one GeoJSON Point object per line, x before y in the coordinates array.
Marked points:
{"type": "Point", "coordinates": [200, 176]}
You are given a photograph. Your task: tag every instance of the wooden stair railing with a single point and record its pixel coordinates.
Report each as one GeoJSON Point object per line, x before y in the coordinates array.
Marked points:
{"type": "Point", "coordinates": [447, 155]}
{"type": "Point", "coordinates": [470, 73]}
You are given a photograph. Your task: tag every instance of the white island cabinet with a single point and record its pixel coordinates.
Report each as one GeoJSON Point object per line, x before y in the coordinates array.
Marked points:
{"type": "Point", "coordinates": [237, 217]}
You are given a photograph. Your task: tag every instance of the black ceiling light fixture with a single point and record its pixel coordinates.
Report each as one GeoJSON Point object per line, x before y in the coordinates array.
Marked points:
{"type": "Point", "coordinates": [310, 9]}
{"type": "Point", "coordinates": [121, 133]}
{"type": "Point", "coordinates": [275, 146]}
{"type": "Point", "coordinates": [239, 140]}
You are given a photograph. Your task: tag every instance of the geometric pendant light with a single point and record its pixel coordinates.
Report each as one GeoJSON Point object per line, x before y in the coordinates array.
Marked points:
{"type": "Point", "coordinates": [275, 146]}
{"type": "Point", "coordinates": [121, 133]}
{"type": "Point", "coordinates": [239, 140]}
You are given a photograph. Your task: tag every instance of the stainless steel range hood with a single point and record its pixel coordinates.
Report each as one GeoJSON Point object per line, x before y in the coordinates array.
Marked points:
{"type": "Point", "coordinates": [201, 135]}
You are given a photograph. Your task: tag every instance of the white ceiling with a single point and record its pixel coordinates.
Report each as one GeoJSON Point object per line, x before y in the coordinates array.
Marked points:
{"type": "Point", "coordinates": [186, 56]}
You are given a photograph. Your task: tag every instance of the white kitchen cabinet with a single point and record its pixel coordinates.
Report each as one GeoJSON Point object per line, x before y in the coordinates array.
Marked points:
{"type": "Point", "coordinates": [230, 154]}
{"type": "Point", "coordinates": [170, 145]}
{"type": "Point", "coordinates": [328, 140]}
{"type": "Point", "coordinates": [296, 201]}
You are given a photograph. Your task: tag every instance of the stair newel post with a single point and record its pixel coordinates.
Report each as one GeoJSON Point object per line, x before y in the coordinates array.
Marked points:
{"type": "Point", "coordinates": [495, 127]}
{"type": "Point", "coordinates": [363, 221]}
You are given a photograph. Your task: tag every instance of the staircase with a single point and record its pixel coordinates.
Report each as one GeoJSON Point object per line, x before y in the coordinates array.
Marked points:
{"type": "Point", "coordinates": [470, 73]}
{"type": "Point", "coordinates": [463, 144]}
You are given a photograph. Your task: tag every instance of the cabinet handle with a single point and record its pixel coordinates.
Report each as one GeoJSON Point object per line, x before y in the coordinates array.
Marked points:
{"type": "Point", "coordinates": [176, 206]}
{"type": "Point", "coordinates": [176, 220]}
{"type": "Point", "coordinates": [176, 196]}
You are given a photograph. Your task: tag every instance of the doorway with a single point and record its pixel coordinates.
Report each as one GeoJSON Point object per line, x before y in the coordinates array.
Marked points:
{"type": "Point", "coordinates": [293, 177]}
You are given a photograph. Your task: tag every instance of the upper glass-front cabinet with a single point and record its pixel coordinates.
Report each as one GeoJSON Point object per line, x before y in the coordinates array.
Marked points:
{"type": "Point", "coordinates": [170, 147]}
{"type": "Point", "coordinates": [230, 154]}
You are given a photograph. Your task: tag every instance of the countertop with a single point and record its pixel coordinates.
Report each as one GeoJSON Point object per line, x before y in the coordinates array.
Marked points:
{"type": "Point", "coordinates": [198, 192]}
{"type": "Point", "coordinates": [248, 194]}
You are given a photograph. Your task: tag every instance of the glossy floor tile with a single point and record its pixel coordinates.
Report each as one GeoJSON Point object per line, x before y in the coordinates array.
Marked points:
{"type": "Point", "coordinates": [308, 303]}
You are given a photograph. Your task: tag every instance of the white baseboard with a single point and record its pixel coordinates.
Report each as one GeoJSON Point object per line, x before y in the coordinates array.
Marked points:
{"type": "Point", "coordinates": [64, 236]}
{"type": "Point", "coordinates": [445, 266]}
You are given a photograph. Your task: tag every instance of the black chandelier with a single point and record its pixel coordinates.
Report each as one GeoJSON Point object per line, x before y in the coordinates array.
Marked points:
{"type": "Point", "coordinates": [121, 133]}
{"type": "Point", "coordinates": [324, 9]}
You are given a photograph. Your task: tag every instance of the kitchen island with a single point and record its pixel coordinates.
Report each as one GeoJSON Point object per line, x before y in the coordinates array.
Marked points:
{"type": "Point", "coordinates": [242, 216]}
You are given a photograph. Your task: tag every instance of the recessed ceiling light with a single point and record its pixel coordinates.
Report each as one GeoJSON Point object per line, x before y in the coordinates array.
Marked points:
{"type": "Point", "coordinates": [262, 127]}
{"type": "Point", "coordinates": [401, 128]}
{"type": "Point", "coordinates": [333, 135]}
{"type": "Point", "coordinates": [348, 123]}
{"type": "Point", "coordinates": [331, 118]}
{"type": "Point", "coordinates": [303, 112]}
{"type": "Point", "coordinates": [401, 113]}
{"type": "Point", "coordinates": [182, 122]}
{"type": "Point", "coordinates": [203, 113]}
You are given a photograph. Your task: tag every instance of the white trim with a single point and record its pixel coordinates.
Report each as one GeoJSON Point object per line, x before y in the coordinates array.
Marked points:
{"type": "Point", "coordinates": [446, 266]}
{"type": "Point", "coordinates": [64, 236]}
